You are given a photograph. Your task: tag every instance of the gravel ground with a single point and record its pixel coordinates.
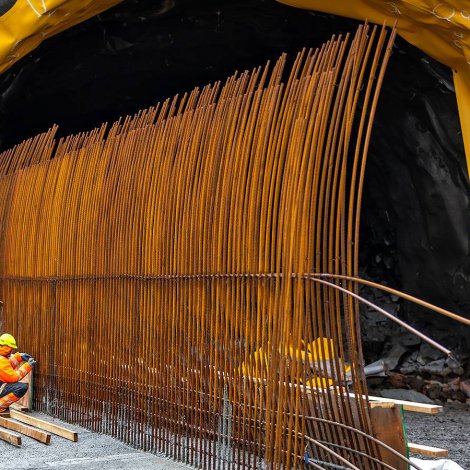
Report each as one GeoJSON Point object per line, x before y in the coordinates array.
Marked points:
{"type": "Point", "coordinates": [91, 452]}
{"type": "Point", "coordinates": [448, 430]}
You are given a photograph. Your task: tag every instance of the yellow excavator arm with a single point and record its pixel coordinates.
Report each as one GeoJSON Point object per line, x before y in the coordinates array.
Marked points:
{"type": "Point", "coordinates": [441, 29]}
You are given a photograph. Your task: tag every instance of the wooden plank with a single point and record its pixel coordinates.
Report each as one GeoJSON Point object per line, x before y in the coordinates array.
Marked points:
{"type": "Point", "coordinates": [407, 405]}
{"type": "Point", "coordinates": [45, 426]}
{"type": "Point", "coordinates": [412, 406]}
{"type": "Point", "coordinates": [16, 407]}
{"type": "Point", "coordinates": [381, 404]}
{"type": "Point", "coordinates": [36, 434]}
{"type": "Point", "coordinates": [5, 415]}
{"type": "Point", "coordinates": [427, 451]}
{"type": "Point", "coordinates": [387, 425]}
{"type": "Point", "coordinates": [10, 437]}
{"type": "Point", "coordinates": [26, 400]}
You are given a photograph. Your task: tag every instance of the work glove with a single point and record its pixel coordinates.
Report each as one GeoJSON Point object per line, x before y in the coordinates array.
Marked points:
{"type": "Point", "coordinates": [32, 362]}
{"type": "Point", "coordinates": [25, 356]}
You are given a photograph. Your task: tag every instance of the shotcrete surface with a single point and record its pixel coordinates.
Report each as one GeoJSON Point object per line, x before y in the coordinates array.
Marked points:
{"type": "Point", "coordinates": [91, 452]}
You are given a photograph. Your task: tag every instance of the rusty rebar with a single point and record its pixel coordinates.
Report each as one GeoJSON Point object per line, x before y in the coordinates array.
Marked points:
{"type": "Point", "coordinates": [160, 268]}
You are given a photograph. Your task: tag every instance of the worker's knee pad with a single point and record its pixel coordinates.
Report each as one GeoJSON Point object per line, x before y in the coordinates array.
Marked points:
{"type": "Point", "coordinates": [18, 389]}
{"type": "Point", "coordinates": [21, 389]}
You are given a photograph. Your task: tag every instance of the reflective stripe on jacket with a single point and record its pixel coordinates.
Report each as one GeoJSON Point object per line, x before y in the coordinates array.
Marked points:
{"type": "Point", "coordinates": [9, 370]}
{"type": "Point", "coordinates": [15, 360]}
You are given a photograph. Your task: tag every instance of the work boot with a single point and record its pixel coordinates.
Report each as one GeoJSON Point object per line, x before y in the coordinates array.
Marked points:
{"type": "Point", "coordinates": [6, 401]}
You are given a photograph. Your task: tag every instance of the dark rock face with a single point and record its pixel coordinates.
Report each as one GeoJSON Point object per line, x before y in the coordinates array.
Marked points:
{"type": "Point", "coordinates": [143, 51]}
{"type": "Point", "coordinates": [416, 218]}
{"type": "Point", "coordinates": [420, 189]}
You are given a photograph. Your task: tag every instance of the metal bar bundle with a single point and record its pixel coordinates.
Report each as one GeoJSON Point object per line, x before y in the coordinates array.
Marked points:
{"type": "Point", "coordinates": [160, 270]}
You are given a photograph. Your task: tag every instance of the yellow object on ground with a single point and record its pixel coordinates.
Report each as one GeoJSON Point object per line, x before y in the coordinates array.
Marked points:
{"type": "Point", "coordinates": [320, 354]}
{"type": "Point", "coordinates": [439, 28]}
{"type": "Point", "coordinates": [24, 24]}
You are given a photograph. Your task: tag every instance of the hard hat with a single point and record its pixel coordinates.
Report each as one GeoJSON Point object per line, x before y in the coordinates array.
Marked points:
{"type": "Point", "coordinates": [8, 340]}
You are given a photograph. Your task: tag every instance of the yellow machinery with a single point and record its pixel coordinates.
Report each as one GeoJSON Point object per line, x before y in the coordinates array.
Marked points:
{"type": "Point", "coordinates": [439, 28]}
{"type": "Point", "coordinates": [25, 24]}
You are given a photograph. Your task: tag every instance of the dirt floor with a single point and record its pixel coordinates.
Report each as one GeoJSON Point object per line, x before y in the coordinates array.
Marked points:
{"type": "Point", "coordinates": [448, 430]}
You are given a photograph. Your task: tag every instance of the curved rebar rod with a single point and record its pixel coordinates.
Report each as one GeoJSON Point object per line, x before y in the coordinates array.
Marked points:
{"type": "Point", "coordinates": [367, 436]}
{"type": "Point", "coordinates": [362, 454]}
{"type": "Point", "coordinates": [403, 324]}
{"type": "Point", "coordinates": [396, 292]}
{"type": "Point", "coordinates": [112, 245]}
{"type": "Point", "coordinates": [315, 465]}
{"type": "Point", "coordinates": [331, 452]}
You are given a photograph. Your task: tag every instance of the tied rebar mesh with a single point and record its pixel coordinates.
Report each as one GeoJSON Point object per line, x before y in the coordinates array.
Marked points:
{"type": "Point", "coordinates": [162, 270]}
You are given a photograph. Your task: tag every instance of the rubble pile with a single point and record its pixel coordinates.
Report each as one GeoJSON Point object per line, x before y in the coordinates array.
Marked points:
{"type": "Point", "coordinates": [415, 370]}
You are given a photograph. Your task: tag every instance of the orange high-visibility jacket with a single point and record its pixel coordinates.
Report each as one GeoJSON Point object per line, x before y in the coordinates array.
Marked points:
{"type": "Point", "coordinates": [9, 370]}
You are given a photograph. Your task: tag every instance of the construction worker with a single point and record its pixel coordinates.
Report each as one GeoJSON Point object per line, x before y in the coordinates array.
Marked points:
{"type": "Point", "coordinates": [13, 367]}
